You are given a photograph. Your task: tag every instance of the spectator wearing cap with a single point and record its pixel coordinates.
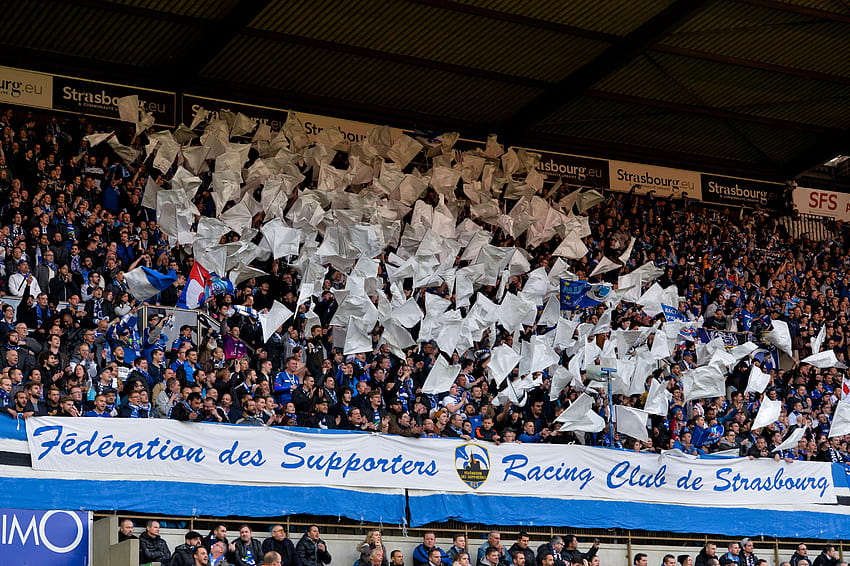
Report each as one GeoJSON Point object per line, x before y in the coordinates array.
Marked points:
{"type": "Point", "coordinates": [183, 553]}
{"type": "Point", "coordinates": [320, 417]}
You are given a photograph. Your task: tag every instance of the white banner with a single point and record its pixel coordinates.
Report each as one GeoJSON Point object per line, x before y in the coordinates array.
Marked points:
{"type": "Point", "coordinates": [663, 180]}
{"type": "Point", "coordinates": [26, 88]}
{"type": "Point", "coordinates": [822, 203]}
{"type": "Point", "coordinates": [242, 453]}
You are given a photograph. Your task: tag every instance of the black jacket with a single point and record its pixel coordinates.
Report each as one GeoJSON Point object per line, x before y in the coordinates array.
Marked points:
{"type": "Point", "coordinates": [309, 552]}
{"type": "Point", "coordinates": [153, 550]}
{"type": "Point", "coordinates": [183, 556]}
{"type": "Point", "coordinates": [288, 555]}
{"type": "Point", "coordinates": [530, 558]}
{"type": "Point", "coordinates": [256, 548]}
{"type": "Point", "coordinates": [702, 558]}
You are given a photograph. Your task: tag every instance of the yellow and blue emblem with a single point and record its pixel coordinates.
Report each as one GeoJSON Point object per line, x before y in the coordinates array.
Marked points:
{"type": "Point", "coordinates": [472, 463]}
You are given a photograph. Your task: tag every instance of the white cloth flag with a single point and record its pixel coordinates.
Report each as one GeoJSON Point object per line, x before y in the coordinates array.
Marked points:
{"type": "Point", "coordinates": [780, 337]}
{"type": "Point", "coordinates": [128, 108]}
{"type": "Point", "coordinates": [817, 341]}
{"type": "Point", "coordinates": [604, 266]}
{"type": "Point", "coordinates": [757, 381]}
{"type": "Point", "coordinates": [825, 359]}
{"type": "Point", "coordinates": [703, 382]}
{"type": "Point", "coordinates": [560, 379]}
{"type": "Point", "coordinates": [793, 439]}
{"type": "Point", "coordinates": [275, 317]}
{"type": "Point", "coordinates": [768, 413]}
{"type": "Point", "coordinates": [503, 359]}
{"type": "Point", "coordinates": [632, 422]}
{"type": "Point", "coordinates": [580, 416]}
{"type": "Point", "coordinates": [441, 377]}
{"type": "Point", "coordinates": [840, 419]}
{"type": "Point", "coordinates": [658, 399]}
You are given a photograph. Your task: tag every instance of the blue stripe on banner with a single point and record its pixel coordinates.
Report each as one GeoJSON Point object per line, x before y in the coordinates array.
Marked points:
{"type": "Point", "coordinates": [840, 473]}
{"type": "Point", "coordinates": [530, 511]}
{"type": "Point", "coordinates": [13, 429]}
{"type": "Point", "coordinates": [194, 499]}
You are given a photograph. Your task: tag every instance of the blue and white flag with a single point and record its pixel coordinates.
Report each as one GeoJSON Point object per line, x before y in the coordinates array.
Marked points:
{"type": "Point", "coordinates": [143, 282]}
{"type": "Point", "coordinates": [581, 294]}
{"type": "Point", "coordinates": [672, 313]}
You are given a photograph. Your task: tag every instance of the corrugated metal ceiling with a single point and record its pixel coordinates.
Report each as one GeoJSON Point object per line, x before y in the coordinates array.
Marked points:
{"type": "Point", "coordinates": [758, 81]}
{"type": "Point", "coordinates": [436, 34]}
{"type": "Point", "coordinates": [619, 17]}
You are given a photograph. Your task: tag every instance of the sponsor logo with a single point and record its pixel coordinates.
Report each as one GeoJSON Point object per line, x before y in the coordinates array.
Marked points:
{"type": "Point", "coordinates": [60, 532]}
{"type": "Point", "coordinates": [16, 89]}
{"type": "Point", "coordinates": [102, 100]}
{"type": "Point", "coordinates": [576, 170]}
{"type": "Point", "coordinates": [472, 463]}
{"type": "Point", "coordinates": [674, 184]}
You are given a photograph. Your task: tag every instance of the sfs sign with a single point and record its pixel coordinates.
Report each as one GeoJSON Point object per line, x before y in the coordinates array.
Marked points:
{"type": "Point", "coordinates": [822, 203]}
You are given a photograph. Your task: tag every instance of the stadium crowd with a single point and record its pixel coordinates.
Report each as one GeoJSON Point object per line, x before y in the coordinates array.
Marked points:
{"type": "Point", "coordinates": [311, 550]}
{"type": "Point", "coordinates": [72, 343]}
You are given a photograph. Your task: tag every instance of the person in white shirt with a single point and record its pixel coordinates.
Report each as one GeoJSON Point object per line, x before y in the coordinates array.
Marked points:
{"type": "Point", "coordinates": [20, 280]}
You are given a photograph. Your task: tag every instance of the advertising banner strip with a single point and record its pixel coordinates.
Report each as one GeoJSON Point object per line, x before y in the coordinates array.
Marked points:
{"type": "Point", "coordinates": [233, 453]}
{"type": "Point", "coordinates": [26, 88]}
{"type": "Point", "coordinates": [664, 181]}
{"type": "Point", "coordinates": [822, 203]}
{"type": "Point", "coordinates": [733, 191]}
{"type": "Point", "coordinates": [314, 124]}
{"type": "Point", "coordinates": [45, 537]}
{"type": "Point", "coordinates": [96, 98]}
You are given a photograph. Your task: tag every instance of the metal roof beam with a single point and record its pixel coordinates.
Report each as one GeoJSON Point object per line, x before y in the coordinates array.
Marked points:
{"type": "Point", "coordinates": [799, 9]}
{"type": "Point", "coordinates": [492, 14]}
{"type": "Point", "coordinates": [825, 149]}
{"type": "Point", "coordinates": [395, 57]}
{"type": "Point", "coordinates": [213, 39]}
{"type": "Point", "coordinates": [712, 112]}
{"type": "Point", "coordinates": [612, 59]}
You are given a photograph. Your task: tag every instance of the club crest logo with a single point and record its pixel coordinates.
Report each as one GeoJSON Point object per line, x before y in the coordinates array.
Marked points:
{"type": "Point", "coordinates": [472, 463]}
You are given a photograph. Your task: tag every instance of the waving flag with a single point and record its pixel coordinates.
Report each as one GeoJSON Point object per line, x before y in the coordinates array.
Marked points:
{"type": "Point", "coordinates": [194, 293]}
{"type": "Point", "coordinates": [202, 285]}
{"type": "Point", "coordinates": [581, 294]}
{"type": "Point", "coordinates": [143, 282]}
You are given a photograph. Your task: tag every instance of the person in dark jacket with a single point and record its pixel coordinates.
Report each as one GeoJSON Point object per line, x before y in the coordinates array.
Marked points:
{"type": "Point", "coordinates": [708, 551]}
{"type": "Point", "coordinates": [571, 550]}
{"type": "Point", "coordinates": [183, 554]}
{"type": "Point", "coordinates": [125, 530]}
{"type": "Point", "coordinates": [248, 551]}
{"type": "Point", "coordinates": [422, 552]}
{"type": "Point", "coordinates": [827, 557]}
{"type": "Point", "coordinates": [152, 547]}
{"type": "Point", "coordinates": [521, 546]}
{"type": "Point", "coordinates": [281, 544]}
{"type": "Point", "coordinates": [553, 547]}
{"type": "Point", "coordinates": [311, 549]}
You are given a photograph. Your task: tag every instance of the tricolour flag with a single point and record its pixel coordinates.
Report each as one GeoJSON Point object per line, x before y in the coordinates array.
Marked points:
{"type": "Point", "coordinates": [194, 293]}
{"type": "Point", "coordinates": [143, 282]}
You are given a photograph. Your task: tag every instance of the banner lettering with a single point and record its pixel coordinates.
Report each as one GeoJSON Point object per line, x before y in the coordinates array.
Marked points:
{"type": "Point", "coordinates": [45, 537]}
{"type": "Point", "coordinates": [236, 453]}
{"type": "Point", "coordinates": [314, 124]}
{"type": "Point", "coordinates": [822, 203]}
{"type": "Point", "coordinates": [741, 192]}
{"type": "Point", "coordinates": [101, 99]}
{"type": "Point", "coordinates": [664, 181]}
{"type": "Point", "coordinates": [26, 88]}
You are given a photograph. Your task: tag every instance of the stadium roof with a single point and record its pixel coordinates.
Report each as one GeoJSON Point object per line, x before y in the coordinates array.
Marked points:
{"type": "Point", "coordinates": [748, 87]}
